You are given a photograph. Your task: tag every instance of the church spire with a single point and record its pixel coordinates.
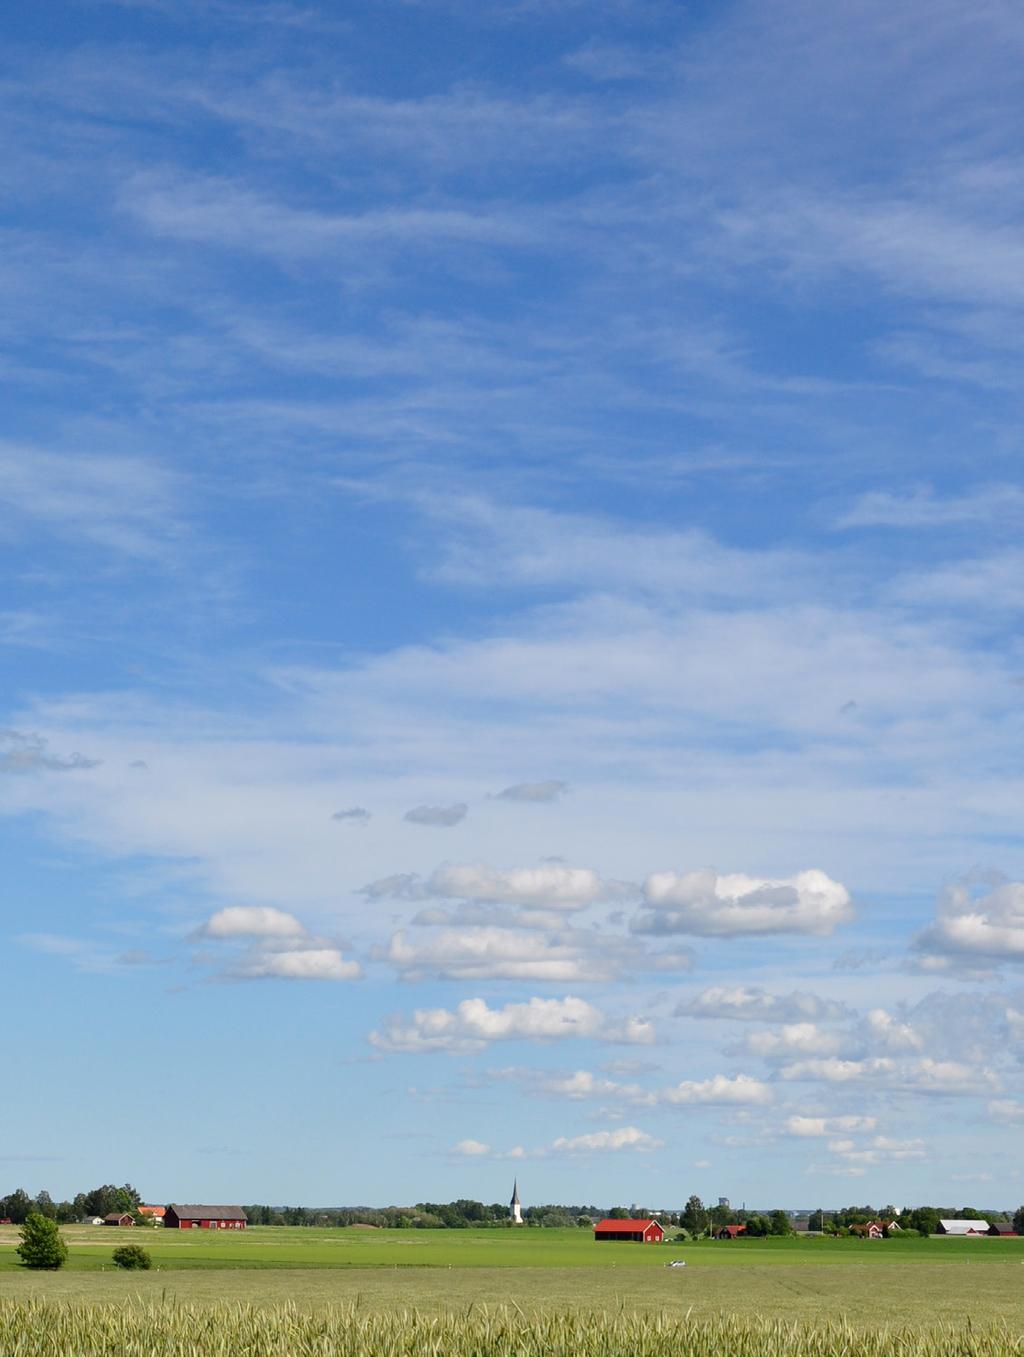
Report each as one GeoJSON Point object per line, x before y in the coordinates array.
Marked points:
{"type": "Point", "coordinates": [515, 1210]}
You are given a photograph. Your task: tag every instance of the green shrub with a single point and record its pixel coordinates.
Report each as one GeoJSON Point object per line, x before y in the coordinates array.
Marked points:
{"type": "Point", "coordinates": [41, 1245]}
{"type": "Point", "coordinates": [132, 1256]}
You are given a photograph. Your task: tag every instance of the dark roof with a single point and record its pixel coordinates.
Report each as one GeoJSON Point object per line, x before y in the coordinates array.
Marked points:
{"type": "Point", "coordinates": [207, 1212]}
{"type": "Point", "coordinates": [118, 1215]}
{"type": "Point", "coordinates": [515, 1194]}
{"type": "Point", "coordinates": [1002, 1227]}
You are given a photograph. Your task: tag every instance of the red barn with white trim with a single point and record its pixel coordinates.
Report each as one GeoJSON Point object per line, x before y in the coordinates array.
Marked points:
{"type": "Point", "coordinates": [205, 1218]}
{"type": "Point", "coordinates": [631, 1231]}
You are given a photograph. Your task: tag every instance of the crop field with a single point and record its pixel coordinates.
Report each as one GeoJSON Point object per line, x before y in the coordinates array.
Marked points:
{"type": "Point", "coordinates": [34, 1329]}
{"type": "Point", "coordinates": [924, 1283]}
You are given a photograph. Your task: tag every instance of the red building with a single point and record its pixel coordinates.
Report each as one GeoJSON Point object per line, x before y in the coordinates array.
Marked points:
{"type": "Point", "coordinates": [118, 1218]}
{"type": "Point", "coordinates": [204, 1218]}
{"type": "Point", "coordinates": [633, 1231]}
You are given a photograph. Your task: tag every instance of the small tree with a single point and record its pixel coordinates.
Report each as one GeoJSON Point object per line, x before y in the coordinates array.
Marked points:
{"type": "Point", "coordinates": [132, 1256]}
{"type": "Point", "coordinates": [41, 1244]}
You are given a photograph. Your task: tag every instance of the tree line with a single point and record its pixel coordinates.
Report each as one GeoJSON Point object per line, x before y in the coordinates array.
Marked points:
{"type": "Point", "coordinates": [695, 1218]}
{"type": "Point", "coordinates": [17, 1206]}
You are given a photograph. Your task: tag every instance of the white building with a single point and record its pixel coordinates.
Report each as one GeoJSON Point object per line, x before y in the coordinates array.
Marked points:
{"type": "Point", "coordinates": [515, 1211]}
{"type": "Point", "coordinates": [963, 1227]}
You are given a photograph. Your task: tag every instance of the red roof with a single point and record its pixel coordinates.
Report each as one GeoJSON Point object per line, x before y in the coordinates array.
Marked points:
{"type": "Point", "coordinates": [733, 1230]}
{"type": "Point", "coordinates": [157, 1211]}
{"type": "Point", "coordinates": [624, 1226]}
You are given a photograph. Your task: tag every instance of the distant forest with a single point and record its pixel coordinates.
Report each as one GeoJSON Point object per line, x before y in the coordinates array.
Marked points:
{"type": "Point", "coordinates": [695, 1218]}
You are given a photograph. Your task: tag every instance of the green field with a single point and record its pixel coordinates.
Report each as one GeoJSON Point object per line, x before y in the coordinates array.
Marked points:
{"type": "Point", "coordinates": [921, 1282]}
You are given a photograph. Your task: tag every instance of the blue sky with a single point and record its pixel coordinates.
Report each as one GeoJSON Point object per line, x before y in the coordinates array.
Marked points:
{"type": "Point", "coordinates": [511, 551]}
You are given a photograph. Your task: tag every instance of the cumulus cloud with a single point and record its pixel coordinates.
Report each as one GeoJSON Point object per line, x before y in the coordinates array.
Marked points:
{"type": "Point", "coordinates": [828, 1126]}
{"type": "Point", "coordinates": [471, 1148]}
{"type": "Point", "coordinates": [251, 921]}
{"type": "Point", "coordinates": [533, 791]}
{"type": "Point", "coordinates": [912, 1076]}
{"type": "Point", "coordinates": [281, 946]}
{"type": "Point", "coordinates": [750, 1003]}
{"type": "Point", "coordinates": [878, 1150]}
{"type": "Point", "coordinates": [967, 927]}
{"type": "Point", "coordinates": [501, 954]}
{"type": "Point", "coordinates": [622, 1138]}
{"type": "Point", "coordinates": [472, 1026]}
{"type": "Point", "coordinates": [720, 1090]}
{"type": "Point", "coordinates": [706, 904]}
{"type": "Point", "coordinates": [355, 815]}
{"type": "Point", "coordinates": [800, 1038]}
{"type": "Point", "coordinates": [21, 753]}
{"type": "Point", "coordinates": [439, 816]}
{"type": "Point", "coordinates": [550, 886]}
{"type": "Point", "coordinates": [307, 963]}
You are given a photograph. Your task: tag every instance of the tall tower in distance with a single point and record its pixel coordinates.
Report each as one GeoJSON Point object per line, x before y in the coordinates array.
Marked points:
{"type": "Point", "coordinates": [515, 1211]}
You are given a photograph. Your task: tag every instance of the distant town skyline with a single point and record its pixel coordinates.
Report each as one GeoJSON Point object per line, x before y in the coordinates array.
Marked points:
{"type": "Point", "coordinates": [512, 582]}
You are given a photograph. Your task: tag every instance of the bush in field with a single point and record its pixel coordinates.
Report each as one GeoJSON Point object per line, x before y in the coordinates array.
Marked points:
{"type": "Point", "coordinates": [132, 1256]}
{"type": "Point", "coordinates": [41, 1245]}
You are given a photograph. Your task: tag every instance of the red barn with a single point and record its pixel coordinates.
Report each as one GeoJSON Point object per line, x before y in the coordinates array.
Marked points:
{"type": "Point", "coordinates": [118, 1218]}
{"type": "Point", "coordinates": [635, 1231]}
{"type": "Point", "coordinates": [205, 1218]}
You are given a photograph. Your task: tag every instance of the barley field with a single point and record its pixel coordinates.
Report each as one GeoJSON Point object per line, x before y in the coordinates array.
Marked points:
{"type": "Point", "coordinates": [35, 1328]}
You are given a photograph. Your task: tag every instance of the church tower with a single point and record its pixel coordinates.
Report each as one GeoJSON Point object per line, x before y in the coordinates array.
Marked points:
{"type": "Point", "coordinates": [515, 1211]}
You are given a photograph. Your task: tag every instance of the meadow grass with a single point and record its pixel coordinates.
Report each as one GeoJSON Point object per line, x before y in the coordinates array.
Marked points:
{"type": "Point", "coordinates": [281, 1247]}
{"type": "Point", "coordinates": [34, 1328]}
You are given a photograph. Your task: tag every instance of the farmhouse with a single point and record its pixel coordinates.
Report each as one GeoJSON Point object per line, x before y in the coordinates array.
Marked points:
{"type": "Point", "coordinates": [118, 1218]}
{"type": "Point", "coordinates": [204, 1218]}
{"type": "Point", "coordinates": [633, 1231]}
{"type": "Point", "coordinates": [964, 1227]}
{"type": "Point", "coordinates": [155, 1213]}
{"type": "Point", "coordinates": [731, 1231]}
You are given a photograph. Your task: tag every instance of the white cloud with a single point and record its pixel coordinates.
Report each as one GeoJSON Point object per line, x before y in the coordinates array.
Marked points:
{"type": "Point", "coordinates": [751, 1003]}
{"type": "Point", "coordinates": [622, 1138]}
{"type": "Point", "coordinates": [988, 927]}
{"type": "Point", "coordinates": [309, 963]}
{"type": "Point", "coordinates": [472, 1026]}
{"type": "Point", "coordinates": [834, 1071]}
{"type": "Point", "coordinates": [471, 1148]}
{"type": "Point", "coordinates": [252, 921]}
{"type": "Point", "coordinates": [924, 1075]}
{"type": "Point", "coordinates": [923, 509]}
{"type": "Point", "coordinates": [802, 1038]}
{"type": "Point", "coordinates": [708, 905]}
{"type": "Point", "coordinates": [502, 953]}
{"type": "Point", "coordinates": [1006, 1111]}
{"type": "Point", "coordinates": [878, 1150]}
{"type": "Point", "coordinates": [552, 886]}
{"type": "Point", "coordinates": [828, 1126]}
{"type": "Point", "coordinates": [722, 1089]}
{"type": "Point", "coordinates": [123, 504]}
{"type": "Point", "coordinates": [535, 792]}
{"type": "Point", "coordinates": [443, 817]}
{"type": "Point", "coordinates": [889, 1033]}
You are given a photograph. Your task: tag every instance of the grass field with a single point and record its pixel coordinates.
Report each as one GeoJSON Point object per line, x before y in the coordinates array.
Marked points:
{"type": "Point", "coordinates": [925, 1283]}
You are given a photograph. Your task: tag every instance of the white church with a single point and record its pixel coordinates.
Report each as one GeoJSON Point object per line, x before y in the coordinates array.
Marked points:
{"type": "Point", "coordinates": [515, 1209]}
